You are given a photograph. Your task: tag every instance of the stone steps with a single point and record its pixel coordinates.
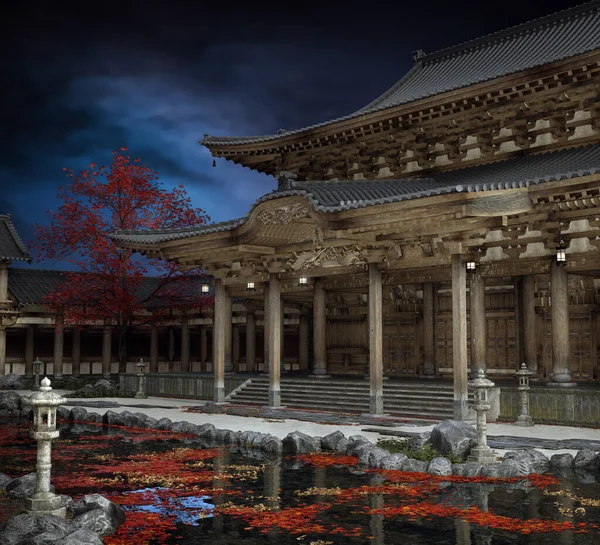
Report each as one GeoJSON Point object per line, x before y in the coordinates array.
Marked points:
{"type": "Point", "coordinates": [411, 398]}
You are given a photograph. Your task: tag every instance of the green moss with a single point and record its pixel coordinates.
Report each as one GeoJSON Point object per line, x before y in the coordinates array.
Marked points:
{"type": "Point", "coordinates": [401, 446]}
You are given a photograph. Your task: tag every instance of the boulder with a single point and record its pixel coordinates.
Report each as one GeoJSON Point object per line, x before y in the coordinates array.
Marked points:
{"type": "Point", "coordinates": [208, 432]}
{"type": "Point", "coordinates": [226, 437]}
{"type": "Point", "coordinates": [112, 418]}
{"type": "Point", "coordinates": [150, 422]}
{"type": "Point", "coordinates": [96, 520]}
{"type": "Point", "coordinates": [247, 437]}
{"type": "Point", "coordinates": [419, 440]}
{"type": "Point", "coordinates": [539, 461]}
{"type": "Point", "coordinates": [78, 414]}
{"type": "Point", "coordinates": [100, 388]}
{"type": "Point", "coordinates": [522, 460]}
{"type": "Point", "coordinates": [91, 502]}
{"type": "Point", "coordinates": [562, 461]}
{"type": "Point", "coordinates": [354, 441]}
{"type": "Point", "coordinates": [50, 537]}
{"type": "Point", "coordinates": [376, 455]}
{"type": "Point", "coordinates": [164, 424]}
{"type": "Point", "coordinates": [416, 466]}
{"type": "Point", "coordinates": [12, 381]}
{"type": "Point", "coordinates": [21, 528]}
{"type": "Point", "coordinates": [468, 469]}
{"type": "Point", "coordinates": [394, 461]}
{"type": "Point", "coordinates": [184, 427]}
{"type": "Point", "coordinates": [500, 469]}
{"type": "Point", "coordinates": [342, 445]}
{"type": "Point", "coordinates": [21, 487]}
{"type": "Point", "coordinates": [299, 443]}
{"type": "Point", "coordinates": [62, 413]}
{"type": "Point", "coordinates": [440, 466]}
{"type": "Point", "coordinates": [330, 442]}
{"type": "Point", "coordinates": [139, 420]}
{"type": "Point", "coordinates": [587, 459]}
{"type": "Point", "coordinates": [4, 480]}
{"type": "Point", "coordinates": [10, 401]}
{"type": "Point", "coordinates": [272, 445]}
{"type": "Point", "coordinates": [94, 418]}
{"type": "Point", "coordinates": [362, 452]}
{"type": "Point", "coordinates": [453, 437]}
{"type": "Point", "coordinates": [82, 536]}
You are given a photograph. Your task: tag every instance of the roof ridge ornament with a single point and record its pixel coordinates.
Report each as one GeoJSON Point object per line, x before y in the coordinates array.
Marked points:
{"type": "Point", "coordinates": [418, 55]}
{"type": "Point", "coordinates": [286, 180]}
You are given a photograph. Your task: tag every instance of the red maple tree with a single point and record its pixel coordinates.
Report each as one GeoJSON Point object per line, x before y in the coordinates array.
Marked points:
{"type": "Point", "coordinates": [113, 284]}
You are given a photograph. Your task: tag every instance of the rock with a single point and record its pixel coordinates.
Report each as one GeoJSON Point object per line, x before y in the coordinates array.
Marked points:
{"type": "Point", "coordinates": [419, 440]}
{"type": "Point", "coordinates": [226, 437]}
{"type": "Point", "coordinates": [416, 466]}
{"type": "Point", "coordinates": [500, 469]}
{"type": "Point", "coordinates": [468, 469]}
{"type": "Point", "coordinates": [208, 432]}
{"type": "Point", "coordinates": [100, 388]}
{"type": "Point", "coordinates": [587, 459]}
{"type": "Point", "coordinates": [376, 455]}
{"type": "Point", "coordinates": [139, 420]}
{"type": "Point", "coordinates": [63, 413]}
{"type": "Point", "coordinates": [342, 445]}
{"type": "Point", "coordinates": [453, 437]}
{"type": "Point", "coordinates": [91, 502]}
{"type": "Point", "coordinates": [94, 418]}
{"type": "Point", "coordinates": [21, 487]}
{"type": "Point", "coordinates": [10, 401]}
{"type": "Point", "coordinates": [12, 381]}
{"type": "Point", "coordinates": [4, 480]}
{"type": "Point", "coordinates": [299, 443]}
{"type": "Point", "coordinates": [362, 452]}
{"type": "Point", "coordinates": [67, 501]}
{"type": "Point", "coordinates": [184, 427]}
{"type": "Point", "coordinates": [150, 422]}
{"type": "Point", "coordinates": [78, 414]}
{"type": "Point", "coordinates": [562, 460]}
{"type": "Point", "coordinates": [272, 445]}
{"type": "Point", "coordinates": [353, 443]}
{"type": "Point", "coordinates": [522, 461]}
{"type": "Point", "coordinates": [246, 438]}
{"type": "Point", "coordinates": [21, 527]}
{"type": "Point", "coordinates": [164, 424]}
{"type": "Point", "coordinates": [50, 537]}
{"type": "Point", "coordinates": [440, 466]}
{"type": "Point", "coordinates": [112, 418]}
{"type": "Point", "coordinates": [394, 461]}
{"type": "Point", "coordinates": [257, 441]}
{"type": "Point", "coordinates": [539, 460]}
{"type": "Point", "coordinates": [330, 442]}
{"type": "Point", "coordinates": [96, 520]}
{"type": "Point", "coordinates": [82, 536]}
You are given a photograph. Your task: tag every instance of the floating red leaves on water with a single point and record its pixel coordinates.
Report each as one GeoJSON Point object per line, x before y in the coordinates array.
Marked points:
{"type": "Point", "coordinates": [327, 460]}
{"type": "Point", "coordinates": [142, 528]}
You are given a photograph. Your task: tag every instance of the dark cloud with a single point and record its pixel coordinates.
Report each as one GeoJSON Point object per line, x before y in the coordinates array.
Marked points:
{"type": "Point", "coordinates": [154, 76]}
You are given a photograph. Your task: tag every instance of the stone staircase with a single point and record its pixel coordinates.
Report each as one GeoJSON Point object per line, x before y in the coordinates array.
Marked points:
{"type": "Point", "coordinates": [409, 398]}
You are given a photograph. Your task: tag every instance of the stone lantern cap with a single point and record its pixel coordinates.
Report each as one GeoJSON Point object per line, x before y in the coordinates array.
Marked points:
{"type": "Point", "coordinates": [523, 371]}
{"type": "Point", "coordinates": [45, 397]}
{"type": "Point", "coordinates": [480, 381]}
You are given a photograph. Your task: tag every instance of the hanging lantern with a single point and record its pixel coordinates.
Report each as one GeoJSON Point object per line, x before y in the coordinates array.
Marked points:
{"type": "Point", "coordinates": [250, 286]}
{"type": "Point", "coordinates": [303, 281]}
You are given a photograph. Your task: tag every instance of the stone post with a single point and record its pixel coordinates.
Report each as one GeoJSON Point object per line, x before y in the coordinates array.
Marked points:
{"type": "Point", "coordinates": [274, 313]}
{"type": "Point", "coordinates": [59, 328]}
{"type": "Point", "coordinates": [185, 344]}
{"type": "Point", "coordinates": [459, 337]}
{"type": "Point", "coordinates": [303, 342]}
{"type": "Point", "coordinates": [154, 348]}
{"type": "Point", "coordinates": [250, 341]}
{"type": "Point", "coordinates": [529, 325]}
{"type": "Point", "coordinates": [478, 323]}
{"type": "Point", "coordinates": [76, 352]}
{"type": "Point", "coordinates": [319, 330]}
{"type": "Point", "coordinates": [561, 367]}
{"type": "Point", "coordinates": [141, 380]}
{"type": "Point", "coordinates": [481, 453]}
{"type": "Point", "coordinates": [44, 404]}
{"type": "Point", "coordinates": [428, 330]}
{"type": "Point", "coordinates": [523, 374]}
{"type": "Point", "coordinates": [218, 357]}
{"type": "Point", "coordinates": [375, 318]}
{"type": "Point", "coordinates": [106, 349]}
{"type": "Point", "coordinates": [228, 339]}
{"type": "Point", "coordinates": [29, 347]}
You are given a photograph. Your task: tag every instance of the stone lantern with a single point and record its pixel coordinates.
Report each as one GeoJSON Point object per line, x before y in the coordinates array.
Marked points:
{"type": "Point", "coordinates": [141, 381]}
{"type": "Point", "coordinates": [523, 374]}
{"type": "Point", "coordinates": [482, 454]}
{"type": "Point", "coordinates": [44, 403]}
{"type": "Point", "coordinates": [37, 367]}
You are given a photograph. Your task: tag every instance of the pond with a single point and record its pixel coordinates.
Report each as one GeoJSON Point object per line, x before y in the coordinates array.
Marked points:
{"type": "Point", "coordinates": [176, 489]}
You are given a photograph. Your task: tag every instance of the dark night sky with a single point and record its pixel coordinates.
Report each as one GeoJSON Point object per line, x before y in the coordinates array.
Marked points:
{"type": "Point", "coordinates": [84, 78]}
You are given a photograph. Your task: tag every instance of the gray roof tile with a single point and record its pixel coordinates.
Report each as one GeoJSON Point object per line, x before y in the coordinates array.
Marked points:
{"type": "Point", "coordinates": [11, 245]}
{"type": "Point", "coordinates": [335, 196]}
{"type": "Point", "coordinates": [548, 39]}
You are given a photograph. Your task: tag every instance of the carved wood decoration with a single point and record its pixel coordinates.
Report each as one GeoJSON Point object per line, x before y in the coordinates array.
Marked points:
{"type": "Point", "coordinates": [326, 257]}
{"type": "Point", "coordinates": [283, 215]}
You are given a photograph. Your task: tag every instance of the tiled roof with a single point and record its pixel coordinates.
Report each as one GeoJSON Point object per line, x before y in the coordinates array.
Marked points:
{"type": "Point", "coordinates": [548, 39]}
{"type": "Point", "coordinates": [11, 245]}
{"type": "Point", "coordinates": [328, 196]}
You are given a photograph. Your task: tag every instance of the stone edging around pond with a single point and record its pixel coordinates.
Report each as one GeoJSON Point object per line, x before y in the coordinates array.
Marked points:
{"type": "Point", "coordinates": [451, 436]}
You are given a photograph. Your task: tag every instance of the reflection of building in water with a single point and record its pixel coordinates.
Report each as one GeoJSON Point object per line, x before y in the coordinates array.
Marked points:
{"type": "Point", "coordinates": [271, 488]}
{"type": "Point", "coordinates": [220, 462]}
{"type": "Point", "coordinates": [376, 522]}
{"type": "Point", "coordinates": [565, 507]}
{"type": "Point", "coordinates": [463, 532]}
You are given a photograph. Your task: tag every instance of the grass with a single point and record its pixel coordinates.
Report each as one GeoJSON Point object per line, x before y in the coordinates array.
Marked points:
{"type": "Point", "coordinates": [426, 453]}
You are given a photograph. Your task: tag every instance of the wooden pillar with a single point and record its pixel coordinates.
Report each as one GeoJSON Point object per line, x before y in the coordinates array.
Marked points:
{"type": "Point", "coordinates": [219, 317]}
{"type": "Point", "coordinates": [282, 346]}
{"type": "Point", "coordinates": [250, 341]}
{"type": "Point", "coordinates": [154, 348]}
{"type": "Point", "coordinates": [529, 322]}
{"type": "Point", "coordinates": [59, 330]}
{"type": "Point", "coordinates": [2, 351]}
{"type": "Point", "coordinates": [75, 353]}
{"type": "Point", "coordinates": [203, 345]}
{"type": "Point", "coordinates": [228, 339]}
{"type": "Point", "coordinates": [319, 330]}
{"type": "Point", "coordinates": [459, 337]}
{"type": "Point", "coordinates": [106, 349]}
{"type": "Point", "coordinates": [267, 342]}
{"type": "Point", "coordinates": [303, 342]}
{"type": "Point", "coordinates": [428, 330]}
{"type": "Point", "coordinates": [375, 317]}
{"type": "Point", "coordinates": [235, 349]}
{"type": "Point", "coordinates": [29, 349]}
{"type": "Point", "coordinates": [478, 323]}
{"type": "Point", "coordinates": [274, 312]}
{"type": "Point", "coordinates": [185, 344]}
{"type": "Point", "coordinates": [561, 367]}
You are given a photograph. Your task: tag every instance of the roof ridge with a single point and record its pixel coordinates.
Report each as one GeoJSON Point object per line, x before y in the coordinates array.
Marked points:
{"type": "Point", "coordinates": [17, 238]}
{"type": "Point", "coordinates": [168, 229]}
{"type": "Point", "coordinates": [521, 28]}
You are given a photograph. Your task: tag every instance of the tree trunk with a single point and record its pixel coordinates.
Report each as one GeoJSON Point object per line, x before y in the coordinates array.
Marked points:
{"type": "Point", "coordinates": [123, 333]}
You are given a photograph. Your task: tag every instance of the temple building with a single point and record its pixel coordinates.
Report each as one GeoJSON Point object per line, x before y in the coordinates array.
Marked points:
{"type": "Point", "coordinates": [451, 224]}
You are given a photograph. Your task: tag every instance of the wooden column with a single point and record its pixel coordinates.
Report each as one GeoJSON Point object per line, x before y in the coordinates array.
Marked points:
{"type": "Point", "coordinates": [154, 348]}
{"type": "Point", "coordinates": [303, 342]}
{"type": "Point", "coordinates": [250, 341]}
{"type": "Point", "coordinates": [561, 367]}
{"type": "Point", "coordinates": [375, 317]}
{"type": "Point", "coordinates": [235, 349]}
{"type": "Point", "coordinates": [2, 351]}
{"type": "Point", "coordinates": [219, 317]}
{"type": "Point", "coordinates": [266, 333]}
{"type": "Point", "coordinates": [428, 330]}
{"type": "Point", "coordinates": [459, 337]}
{"type": "Point", "coordinates": [228, 339]}
{"type": "Point", "coordinates": [319, 330]}
{"type": "Point", "coordinates": [203, 346]}
{"type": "Point", "coordinates": [106, 349]}
{"type": "Point", "coordinates": [478, 323]}
{"type": "Point", "coordinates": [29, 349]}
{"type": "Point", "coordinates": [274, 312]}
{"type": "Point", "coordinates": [75, 353]}
{"type": "Point", "coordinates": [529, 322]}
{"type": "Point", "coordinates": [185, 344]}
{"type": "Point", "coordinates": [282, 346]}
{"type": "Point", "coordinates": [59, 330]}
